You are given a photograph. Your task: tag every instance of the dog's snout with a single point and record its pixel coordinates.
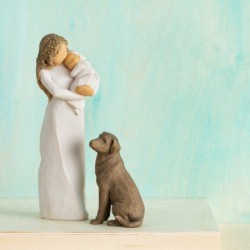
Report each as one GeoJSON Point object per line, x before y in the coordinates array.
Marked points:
{"type": "Point", "coordinates": [92, 143]}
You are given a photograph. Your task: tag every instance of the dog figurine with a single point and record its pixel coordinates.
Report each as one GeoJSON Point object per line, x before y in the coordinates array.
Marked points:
{"type": "Point", "coordinates": [116, 187]}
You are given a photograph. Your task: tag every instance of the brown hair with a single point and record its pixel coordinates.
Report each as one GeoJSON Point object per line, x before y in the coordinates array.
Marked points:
{"type": "Point", "coordinates": [48, 49]}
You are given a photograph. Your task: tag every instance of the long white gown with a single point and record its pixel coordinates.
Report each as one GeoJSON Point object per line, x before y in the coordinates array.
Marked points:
{"type": "Point", "coordinates": [61, 172]}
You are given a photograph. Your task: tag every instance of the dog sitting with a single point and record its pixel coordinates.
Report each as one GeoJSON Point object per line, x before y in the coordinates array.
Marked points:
{"type": "Point", "coordinates": [116, 187]}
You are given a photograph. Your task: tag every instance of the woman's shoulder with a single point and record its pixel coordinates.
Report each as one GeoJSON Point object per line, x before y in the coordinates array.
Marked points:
{"type": "Point", "coordinates": [56, 69]}
{"type": "Point", "coordinates": [44, 72]}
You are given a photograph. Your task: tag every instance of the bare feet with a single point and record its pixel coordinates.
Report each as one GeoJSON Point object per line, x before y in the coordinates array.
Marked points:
{"type": "Point", "coordinates": [84, 90]}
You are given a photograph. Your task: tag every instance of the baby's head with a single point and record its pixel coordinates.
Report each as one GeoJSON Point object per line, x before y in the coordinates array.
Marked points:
{"type": "Point", "coordinates": [71, 60]}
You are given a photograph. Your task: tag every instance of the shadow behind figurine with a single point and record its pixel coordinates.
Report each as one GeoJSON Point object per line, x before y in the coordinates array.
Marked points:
{"type": "Point", "coordinates": [116, 187]}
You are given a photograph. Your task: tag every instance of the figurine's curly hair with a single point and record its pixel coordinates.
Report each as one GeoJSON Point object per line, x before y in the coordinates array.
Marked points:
{"type": "Point", "coordinates": [48, 49]}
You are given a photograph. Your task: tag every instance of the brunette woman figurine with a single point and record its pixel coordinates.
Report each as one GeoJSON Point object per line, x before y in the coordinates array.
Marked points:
{"type": "Point", "coordinates": [61, 172]}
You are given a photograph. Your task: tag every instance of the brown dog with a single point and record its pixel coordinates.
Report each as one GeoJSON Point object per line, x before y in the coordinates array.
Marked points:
{"type": "Point", "coordinates": [116, 187]}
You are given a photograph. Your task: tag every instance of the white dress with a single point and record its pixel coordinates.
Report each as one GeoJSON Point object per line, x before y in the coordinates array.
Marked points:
{"type": "Point", "coordinates": [61, 172]}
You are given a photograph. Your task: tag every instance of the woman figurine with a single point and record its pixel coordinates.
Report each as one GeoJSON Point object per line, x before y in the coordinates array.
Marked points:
{"type": "Point", "coordinates": [61, 172]}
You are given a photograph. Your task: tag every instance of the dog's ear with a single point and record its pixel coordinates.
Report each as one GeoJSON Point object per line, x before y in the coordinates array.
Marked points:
{"type": "Point", "coordinates": [115, 146]}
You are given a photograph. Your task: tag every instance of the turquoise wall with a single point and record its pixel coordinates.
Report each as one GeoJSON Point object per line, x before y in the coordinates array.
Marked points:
{"type": "Point", "coordinates": [174, 89]}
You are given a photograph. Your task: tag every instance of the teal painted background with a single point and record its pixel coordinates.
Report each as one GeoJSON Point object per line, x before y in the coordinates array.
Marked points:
{"type": "Point", "coordinates": [174, 88]}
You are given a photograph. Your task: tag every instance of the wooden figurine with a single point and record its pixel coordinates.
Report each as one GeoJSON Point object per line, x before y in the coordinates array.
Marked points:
{"type": "Point", "coordinates": [61, 172]}
{"type": "Point", "coordinates": [116, 187]}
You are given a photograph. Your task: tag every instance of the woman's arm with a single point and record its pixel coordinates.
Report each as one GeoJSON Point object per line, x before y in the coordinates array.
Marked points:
{"type": "Point", "coordinates": [55, 90]}
{"type": "Point", "coordinates": [84, 74]}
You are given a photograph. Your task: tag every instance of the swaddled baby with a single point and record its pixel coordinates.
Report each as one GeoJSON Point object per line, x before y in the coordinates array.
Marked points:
{"type": "Point", "coordinates": [86, 80]}
{"type": "Point", "coordinates": [83, 74]}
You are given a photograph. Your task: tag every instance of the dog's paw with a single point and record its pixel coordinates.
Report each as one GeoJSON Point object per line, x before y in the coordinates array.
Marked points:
{"type": "Point", "coordinates": [95, 222]}
{"type": "Point", "coordinates": [113, 223]}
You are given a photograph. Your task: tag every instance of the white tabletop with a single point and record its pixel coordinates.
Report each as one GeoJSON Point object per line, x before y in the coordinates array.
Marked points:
{"type": "Point", "coordinates": [168, 224]}
{"type": "Point", "coordinates": [161, 216]}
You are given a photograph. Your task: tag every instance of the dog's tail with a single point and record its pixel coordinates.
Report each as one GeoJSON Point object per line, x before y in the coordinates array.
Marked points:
{"type": "Point", "coordinates": [127, 223]}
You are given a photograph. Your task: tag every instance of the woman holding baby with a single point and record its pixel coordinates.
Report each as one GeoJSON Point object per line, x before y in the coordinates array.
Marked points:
{"type": "Point", "coordinates": [65, 77]}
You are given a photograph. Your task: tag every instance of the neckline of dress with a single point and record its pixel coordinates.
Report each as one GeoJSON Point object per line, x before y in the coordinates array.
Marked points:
{"type": "Point", "coordinates": [59, 66]}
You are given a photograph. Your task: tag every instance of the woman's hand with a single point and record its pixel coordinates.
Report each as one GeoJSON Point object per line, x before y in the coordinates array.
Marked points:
{"type": "Point", "coordinates": [84, 90]}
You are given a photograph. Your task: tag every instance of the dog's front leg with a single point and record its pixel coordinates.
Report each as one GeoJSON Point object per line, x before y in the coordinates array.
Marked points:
{"type": "Point", "coordinates": [108, 210]}
{"type": "Point", "coordinates": [103, 206]}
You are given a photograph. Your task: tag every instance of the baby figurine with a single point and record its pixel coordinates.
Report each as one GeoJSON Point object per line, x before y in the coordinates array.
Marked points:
{"type": "Point", "coordinates": [74, 63]}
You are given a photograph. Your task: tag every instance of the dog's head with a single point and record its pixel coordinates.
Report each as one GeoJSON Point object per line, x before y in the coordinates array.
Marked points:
{"type": "Point", "coordinates": [106, 143]}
